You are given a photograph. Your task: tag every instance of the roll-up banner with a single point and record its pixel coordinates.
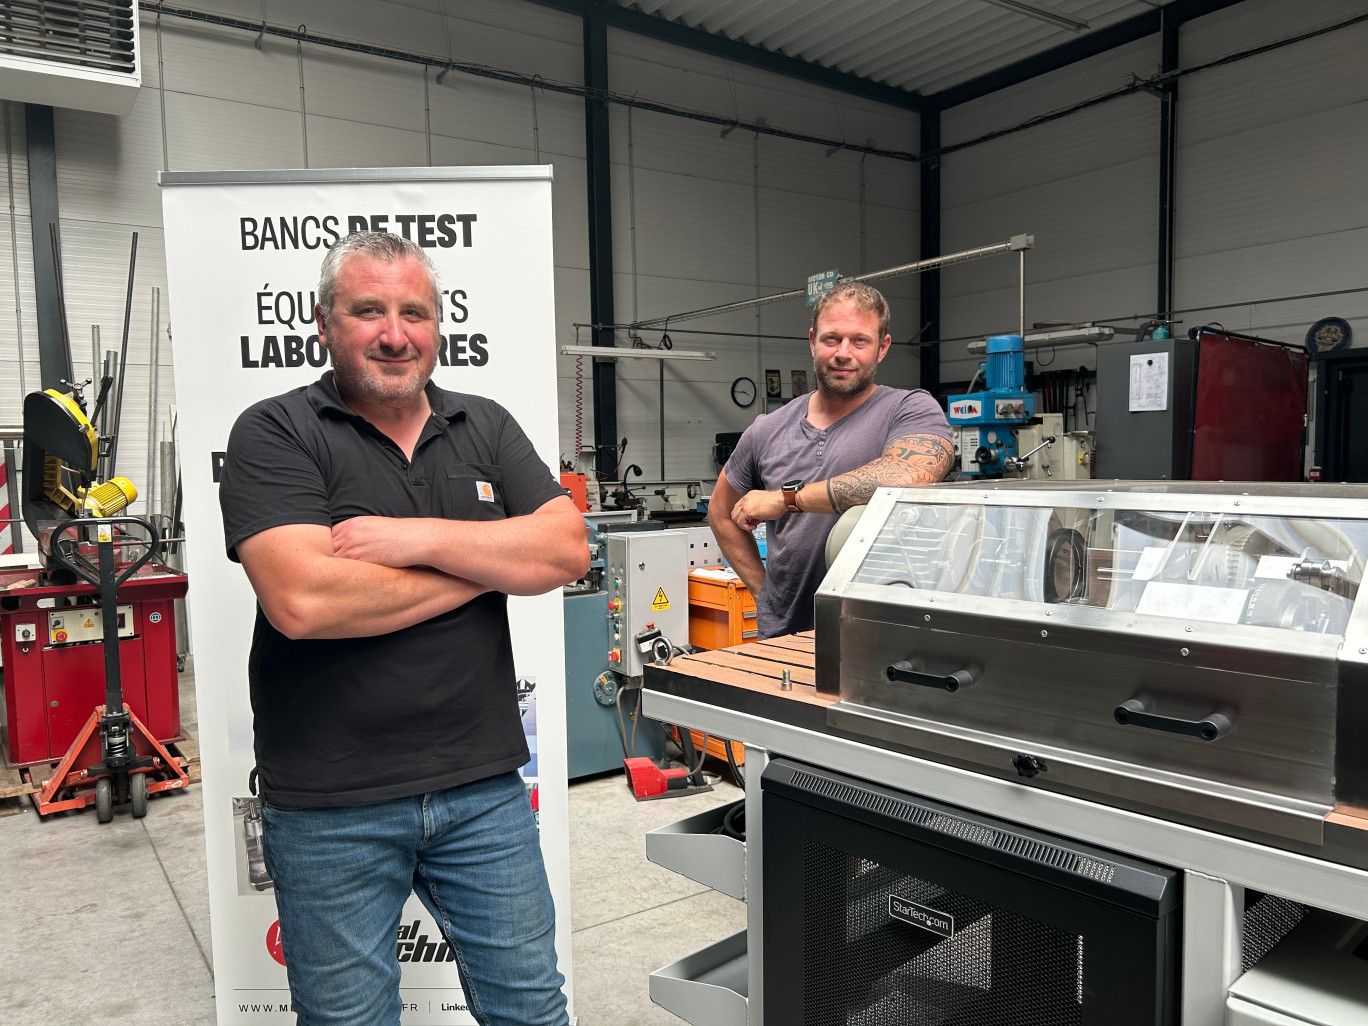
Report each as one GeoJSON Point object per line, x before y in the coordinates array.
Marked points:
{"type": "Point", "coordinates": [242, 253]}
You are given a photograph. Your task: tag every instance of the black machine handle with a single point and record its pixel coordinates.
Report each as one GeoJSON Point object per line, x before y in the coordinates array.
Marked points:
{"type": "Point", "coordinates": [103, 576]}
{"type": "Point", "coordinates": [71, 557]}
{"type": "Point", "coordinates": [902, 671]}
{"type": "Point", "coordinates": [1214, 727]}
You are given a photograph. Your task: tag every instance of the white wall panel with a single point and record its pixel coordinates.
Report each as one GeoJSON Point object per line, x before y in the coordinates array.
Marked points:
{"type": "Point", "coordinates": [1256, 22]}
{"type": "Point", "coordinates": [1272, 151]}
{"type": "Point", "coordinates": [496, 112]}
{"type": "Point", "coordinates": [105, 163]}
{"type": "Point", "coordinates": [1292, 180]}
{"type": "Point", "coordinates": [522, 37]}
{"type": "Point", "coordinates": [1081, 223]}
{"type": "Point", "coordinates": [663, 295]}
{"type": "Point", "coordinates": [687, 227]}
{"type": "Point", "coordinates": [814, 109]}
{"type": "Point", "coordinates": [205, 133]}
{"type": "Point", "coordinates": [210, 61]}
{"type": "Point", "coordinates": [1053, 91]}
{"type": "Point", "coordinates": [891, 237]}
{"type": "Point", "coordinates": [1227, 285]}
{"type": "Point", "coordinates": [655, 70]}
{"type": "Point", "coordinates": [660, 142]}
{"type": "Point", "coordinates": [334, 142]}
{"type": "Point", "coordinates": [1095, 139]}
{"type": "Point", "coordinates": [1085, 185]}
{"type": "Point", "coordinates": [806, 170]}
{"type": "Point", "coordinates": [802, 236]}
{"type": "Point", "coordinates": [699, 202]}
{"type": "Point", "coordinates": [560, 125]}
{"type": "Point", "coordinates": [893, 183]}
{"type": "Point", "coordinates": [1283, 85]}
{"type": "Point", "coordinates": [369, 90]}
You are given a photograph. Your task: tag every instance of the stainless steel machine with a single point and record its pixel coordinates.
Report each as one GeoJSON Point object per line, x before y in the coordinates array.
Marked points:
{"type": "Point", "coordinates": [1193, 651]}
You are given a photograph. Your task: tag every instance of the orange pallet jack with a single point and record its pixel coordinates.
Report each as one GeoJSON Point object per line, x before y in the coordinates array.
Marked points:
{"type": "Point", "coordinates": [114, 759]}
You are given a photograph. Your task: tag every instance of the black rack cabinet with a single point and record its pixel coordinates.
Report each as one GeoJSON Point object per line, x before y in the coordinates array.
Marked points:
{"type": "Point", "coordinates": [885, 909]}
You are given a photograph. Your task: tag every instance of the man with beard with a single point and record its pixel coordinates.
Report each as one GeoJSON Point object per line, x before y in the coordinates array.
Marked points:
{"type": "Point", "coordinates": [799, 468]}
{"type": "Point", "coordinates": [382, 522]}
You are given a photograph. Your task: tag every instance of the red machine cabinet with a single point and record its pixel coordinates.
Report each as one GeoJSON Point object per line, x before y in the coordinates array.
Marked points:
{"type": "Point", "coordinates": [51, 687]}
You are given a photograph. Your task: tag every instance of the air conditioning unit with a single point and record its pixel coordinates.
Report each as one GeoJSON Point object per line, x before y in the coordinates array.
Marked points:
{"type": "Point", "coordinates": [79, 54]}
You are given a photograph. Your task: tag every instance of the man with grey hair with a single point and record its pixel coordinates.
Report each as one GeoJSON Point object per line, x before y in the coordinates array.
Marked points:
{"type": "Point", "coordinates": [382, 522]}
{"type": "Point", "coordinates": [799, 468]}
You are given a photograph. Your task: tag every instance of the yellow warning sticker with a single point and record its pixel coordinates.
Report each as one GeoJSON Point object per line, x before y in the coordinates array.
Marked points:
{"type": "Point", "coordinates": [90, 623]}
{"type": "Point", "coordinates": [660, 602]}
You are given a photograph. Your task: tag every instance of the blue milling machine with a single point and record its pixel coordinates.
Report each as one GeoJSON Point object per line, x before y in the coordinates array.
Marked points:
{"type": "Point", "coordinates": [983, 421]}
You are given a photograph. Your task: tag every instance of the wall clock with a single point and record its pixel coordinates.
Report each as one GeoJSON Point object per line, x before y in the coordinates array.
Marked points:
{"type": "Point", "coordinates": [743, 392]}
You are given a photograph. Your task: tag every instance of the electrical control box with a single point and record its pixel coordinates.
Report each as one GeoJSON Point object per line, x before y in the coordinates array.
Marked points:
{"type": "Point", "coordinates": [647, 581]}
{"type": "Point", "coordinates": [72, 625]}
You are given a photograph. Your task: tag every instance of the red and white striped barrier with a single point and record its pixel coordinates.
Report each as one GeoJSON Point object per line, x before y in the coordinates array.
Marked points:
{"type": "Point", "coordinates": [6, 528]}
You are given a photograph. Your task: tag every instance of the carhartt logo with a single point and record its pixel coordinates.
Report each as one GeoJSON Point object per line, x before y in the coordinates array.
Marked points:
{"type": "Point", "coordinates": [485, 491]}
{"type": "Point", "coordinates": [937, 922]}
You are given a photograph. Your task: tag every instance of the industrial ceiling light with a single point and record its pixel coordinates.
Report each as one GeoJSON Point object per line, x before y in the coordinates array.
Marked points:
{"type": "Point", "coordinates": [639, 354]}
{"type": "Point", "coordinates": [1040, 14]}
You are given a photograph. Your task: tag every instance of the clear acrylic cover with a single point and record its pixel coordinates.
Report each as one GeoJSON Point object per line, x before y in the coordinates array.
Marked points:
{"type": "Point", "coordinates": [1287, 572]}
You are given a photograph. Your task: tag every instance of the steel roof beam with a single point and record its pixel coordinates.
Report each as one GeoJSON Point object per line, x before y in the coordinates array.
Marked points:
{"type": "Point", "coordinates": [1096, 42]}
{"type": "Point", "coordinates": [743, 53]}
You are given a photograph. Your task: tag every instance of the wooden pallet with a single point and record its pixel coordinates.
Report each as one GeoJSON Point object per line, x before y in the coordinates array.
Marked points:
{"type": "Point", "coordinates": [14, 792]}
{"type": "Point", "coordinates": [188, 750]}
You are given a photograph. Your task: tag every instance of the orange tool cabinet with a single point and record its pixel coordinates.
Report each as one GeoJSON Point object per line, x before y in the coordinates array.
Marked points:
{"type": "Point", "coordinates": [721, 612]}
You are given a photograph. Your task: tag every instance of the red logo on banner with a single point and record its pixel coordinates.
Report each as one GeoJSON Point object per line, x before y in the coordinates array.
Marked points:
{"type": "Point", "coordinates": [273, 943]}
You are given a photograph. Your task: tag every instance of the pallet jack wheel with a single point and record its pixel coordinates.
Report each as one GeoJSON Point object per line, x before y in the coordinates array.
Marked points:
{"type": "Point", "coordinates": [104, 799]}
{"type": "Point", "coordinates": [137, 794]}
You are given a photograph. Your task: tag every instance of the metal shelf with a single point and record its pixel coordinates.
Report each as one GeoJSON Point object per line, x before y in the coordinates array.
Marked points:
{"type": "Point", "coordinates": [707, 988]}
{"type": "Point", "coordinates": [691, 848]}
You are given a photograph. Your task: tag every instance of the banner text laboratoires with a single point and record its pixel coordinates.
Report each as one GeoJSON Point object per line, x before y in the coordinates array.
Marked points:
{"type": "Point", "coordinates": [291, 310]}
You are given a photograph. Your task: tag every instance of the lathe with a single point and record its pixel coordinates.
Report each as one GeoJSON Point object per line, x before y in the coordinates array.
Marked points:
{"type": "Point", "coordinates": [1190, 649]}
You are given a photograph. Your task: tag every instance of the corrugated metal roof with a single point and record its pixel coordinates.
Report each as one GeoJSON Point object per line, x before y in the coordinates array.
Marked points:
{"type": "Point", "coordinates": [921, 45]}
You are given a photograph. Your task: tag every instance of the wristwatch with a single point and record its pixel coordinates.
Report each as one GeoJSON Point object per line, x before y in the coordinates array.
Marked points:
{"type": "Point", "coordinates": [791, 490]}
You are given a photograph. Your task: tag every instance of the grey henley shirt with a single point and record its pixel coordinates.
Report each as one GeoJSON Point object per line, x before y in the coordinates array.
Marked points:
{"type": "Point", "coordinates": [781, 446]}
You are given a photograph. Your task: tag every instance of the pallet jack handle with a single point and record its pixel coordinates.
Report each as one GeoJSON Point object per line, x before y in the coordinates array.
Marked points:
{"type": "Point", "coordinates": [68, 553]}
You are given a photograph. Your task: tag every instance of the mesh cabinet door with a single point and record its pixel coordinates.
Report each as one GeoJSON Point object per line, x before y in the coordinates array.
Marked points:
{"type": "Point", "coordinates": [883, 909]}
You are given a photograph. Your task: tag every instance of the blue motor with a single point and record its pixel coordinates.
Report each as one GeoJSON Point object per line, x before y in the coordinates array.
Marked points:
{"type": "Point", "coordinates": [983, 421]}
{"type": "Point", "coordinates": [1006, 367]}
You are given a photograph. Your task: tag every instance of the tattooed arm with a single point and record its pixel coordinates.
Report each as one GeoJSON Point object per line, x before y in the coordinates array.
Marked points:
{"type": "Point", "coordinates": [906, 461]}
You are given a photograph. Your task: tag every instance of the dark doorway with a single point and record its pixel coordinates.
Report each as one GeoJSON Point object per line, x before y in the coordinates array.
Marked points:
{"type": "Point", "coordinates": [1342, 429]}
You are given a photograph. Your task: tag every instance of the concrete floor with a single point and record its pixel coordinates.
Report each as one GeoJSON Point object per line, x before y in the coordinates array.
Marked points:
{"type": "Point", "coordinates": [110, 925]}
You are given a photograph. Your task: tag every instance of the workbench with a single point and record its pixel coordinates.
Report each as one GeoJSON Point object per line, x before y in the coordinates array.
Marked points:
{"type": "Point", "coordinates": [739, 694]}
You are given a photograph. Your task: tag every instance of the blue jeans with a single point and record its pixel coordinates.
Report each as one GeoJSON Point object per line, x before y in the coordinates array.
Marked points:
{"type": "Point", "coordinates": [471, 853]}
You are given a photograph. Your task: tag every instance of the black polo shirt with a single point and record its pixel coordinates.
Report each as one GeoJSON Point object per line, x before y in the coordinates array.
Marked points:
{"type": "Point", "coordinates": [344, 722]}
